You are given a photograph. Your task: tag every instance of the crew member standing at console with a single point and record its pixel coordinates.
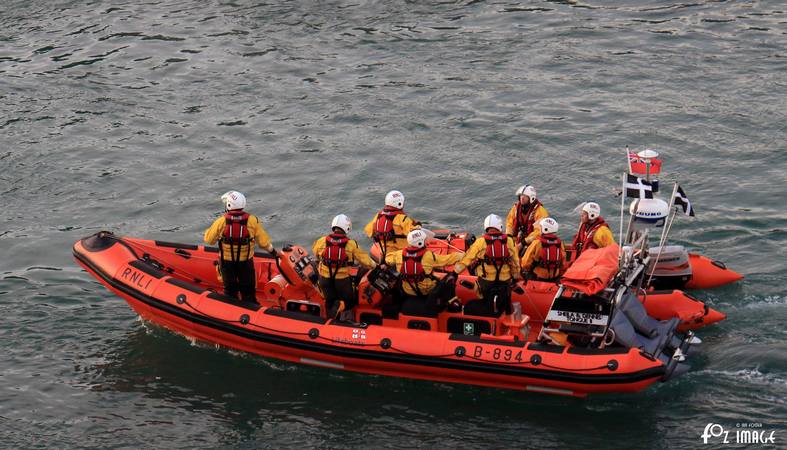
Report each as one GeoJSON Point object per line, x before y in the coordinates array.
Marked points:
{"type": "Point", "coordinates": [390, 226]}
{"type": "Point", "coordinates": [496, 264]}
{"type": "Point", "coordinates": [238, 232]}
{"type": "Point", "coordinates": [336, 253]}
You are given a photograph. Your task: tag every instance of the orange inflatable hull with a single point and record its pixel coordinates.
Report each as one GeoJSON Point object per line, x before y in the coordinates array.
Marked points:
{"type": "Point", "coordinates": [707, 273]}
{"type": "Point", "coordinates": [171, 288]}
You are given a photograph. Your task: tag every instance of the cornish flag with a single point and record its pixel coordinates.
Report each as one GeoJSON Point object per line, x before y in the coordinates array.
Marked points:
{"type": "Point", "coordinates": [683, 201]}
{"type": "Point", "coordinates": [636, 187]}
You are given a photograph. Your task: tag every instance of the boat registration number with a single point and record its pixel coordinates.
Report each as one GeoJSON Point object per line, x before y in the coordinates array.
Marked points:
{"type": "Point", "coordinates": [498, 353]}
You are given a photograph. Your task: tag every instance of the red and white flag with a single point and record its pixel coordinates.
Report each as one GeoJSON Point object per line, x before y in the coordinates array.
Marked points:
{"type": "Point", "coordinates": [638, 165]}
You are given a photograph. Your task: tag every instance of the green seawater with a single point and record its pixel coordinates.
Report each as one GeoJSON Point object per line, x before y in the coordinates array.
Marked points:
{"type": "Point", "coordinates": [135, 116]}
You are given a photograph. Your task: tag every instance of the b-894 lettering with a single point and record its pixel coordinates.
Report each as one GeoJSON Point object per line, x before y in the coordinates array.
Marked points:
{"type": "Point", "coordinates": [498, 354]}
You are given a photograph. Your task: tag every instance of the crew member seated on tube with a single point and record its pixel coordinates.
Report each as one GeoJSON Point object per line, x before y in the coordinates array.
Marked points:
{"type": "Point", "coordinates": [237, 233]}
{"type": "Point", "coordinates": [545, 257]}
{"type": "Point", "coordinates": [522, 217]}
{"type": "Point", "coordinates": [593, 230]}
{"type": "Point", "coordinates": [390, 226]}
{"type": "Point", "coordinates": [494, 261]}
{"type": "Point", "coordinates": [423, 293]}
{"type": "Point", "coordinates": [336, 253]}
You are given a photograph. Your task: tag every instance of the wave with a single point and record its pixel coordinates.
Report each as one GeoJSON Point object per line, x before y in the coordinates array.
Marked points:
{"type": "Point", "coordinates": [753, 376]}
{"type": "Point", "coordinates": [769, 300]}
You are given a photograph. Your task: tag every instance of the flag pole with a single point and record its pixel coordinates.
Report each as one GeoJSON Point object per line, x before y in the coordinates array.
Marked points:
{"type": "Point", "coordinates": [665, 231]}
{"type": "Point", "coordinates": [628, 157]}
{"type": "Point", "coordinates": [622, 207]}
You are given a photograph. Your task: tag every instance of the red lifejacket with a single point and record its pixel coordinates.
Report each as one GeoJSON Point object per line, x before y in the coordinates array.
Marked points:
{"type": "Point", "coordinates": [525, 219]}
{"type": "Point", "coordinates": [412, 268]}
{"type": "Point", "coordinates": [551, 252]}
{"type": "Point", "coordinates": [584, 237]}
{"type": "Point", "coordinates": [384, 225]}
{"type": "Point", "coordinates": [235, 229]}
{"type": "Point", "coordinates": [235, 234]}
{"type": "Point", "coordinates": [335, 254]}
{"type": "Point", "coordinates": [496, 253]}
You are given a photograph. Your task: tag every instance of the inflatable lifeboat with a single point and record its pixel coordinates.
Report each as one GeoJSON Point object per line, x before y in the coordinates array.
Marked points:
{"type": "Point", "coordinates": [663, 303]}
{"type": "Point", "coordinates": [559, 340]}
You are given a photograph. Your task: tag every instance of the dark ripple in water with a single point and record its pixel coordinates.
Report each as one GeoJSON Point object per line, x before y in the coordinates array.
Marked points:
{"type": "Point", "coordinates": [134, 116]}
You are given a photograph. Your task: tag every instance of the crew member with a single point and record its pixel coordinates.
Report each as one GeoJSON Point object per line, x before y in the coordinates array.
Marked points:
{"type": "Point", "coordinates": [545, 256]}
{"type": "Point", "coordinates": [336, 252]}
{"type": "Point", "coordinates": [424, 294]}
{"type": "Point", "coordinates": [522, 218]}
{"type": "Point", "coordinates": [390, 226]}
{"type": "Point", "coordinates": [238, 232]}
{"type": "Point", "coordinates": [496, 264]}
{"type": "Point", "coordinates": [593, 230]}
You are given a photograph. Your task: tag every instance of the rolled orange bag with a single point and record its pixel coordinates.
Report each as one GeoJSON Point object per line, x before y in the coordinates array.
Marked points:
{"type": "Point", "coordinates": [273, 288]}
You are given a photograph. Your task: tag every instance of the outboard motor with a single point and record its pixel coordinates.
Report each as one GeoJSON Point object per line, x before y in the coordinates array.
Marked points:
{"type": "Point", "coordinates": [633, 328]}
{"type": "Point", "coordinates": [673, 269]}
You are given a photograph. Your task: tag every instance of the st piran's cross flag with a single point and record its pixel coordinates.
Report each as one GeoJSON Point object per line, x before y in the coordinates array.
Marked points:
{"type": "Point", "coordinates": [683, 201]}
{"type": "Point", "coordinates": [636, 187]}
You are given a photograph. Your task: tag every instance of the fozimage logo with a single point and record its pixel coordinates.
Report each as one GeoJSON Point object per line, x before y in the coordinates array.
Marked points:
{"type": "Point", "coordinates": [744, 433]}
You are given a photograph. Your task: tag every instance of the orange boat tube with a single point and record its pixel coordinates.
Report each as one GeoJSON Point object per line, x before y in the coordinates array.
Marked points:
{"type": "Point", "coordinates": [707, 273]}
{"type": "Point", "coordinates": [155, 284]}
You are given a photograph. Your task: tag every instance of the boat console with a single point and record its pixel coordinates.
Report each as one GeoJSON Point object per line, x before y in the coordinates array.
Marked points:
{"type": "Point", "coordinates": [578, 318]}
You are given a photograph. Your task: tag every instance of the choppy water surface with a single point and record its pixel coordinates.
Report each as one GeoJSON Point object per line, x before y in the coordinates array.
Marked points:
{"type": "Point", "coordinates": [135, 116]}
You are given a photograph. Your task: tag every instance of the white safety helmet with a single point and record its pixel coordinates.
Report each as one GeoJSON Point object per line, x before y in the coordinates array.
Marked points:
{"type": "Point", "coordinates": [233, 200]}
{"type": "Point", "coordinates": [493, 221]}
{"type": "Point", "coordinates": [530, 191]}
{"type": "Point", "coordinates": [417, 238]}
{"type": "Point", "coordinates": [342, 222]}
{"type": "Point", "coordinates": [527, 190]}
{"type": "Point", "coordinates": [592, 209]}
{"type": "Point", "coordinates": [394, 199]}
{"type": "Point", "coordinates": [548, 225]}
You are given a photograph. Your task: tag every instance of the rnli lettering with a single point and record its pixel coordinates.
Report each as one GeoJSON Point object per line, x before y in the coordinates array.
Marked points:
{"type": "Point", "coordinates": [132, 276]}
